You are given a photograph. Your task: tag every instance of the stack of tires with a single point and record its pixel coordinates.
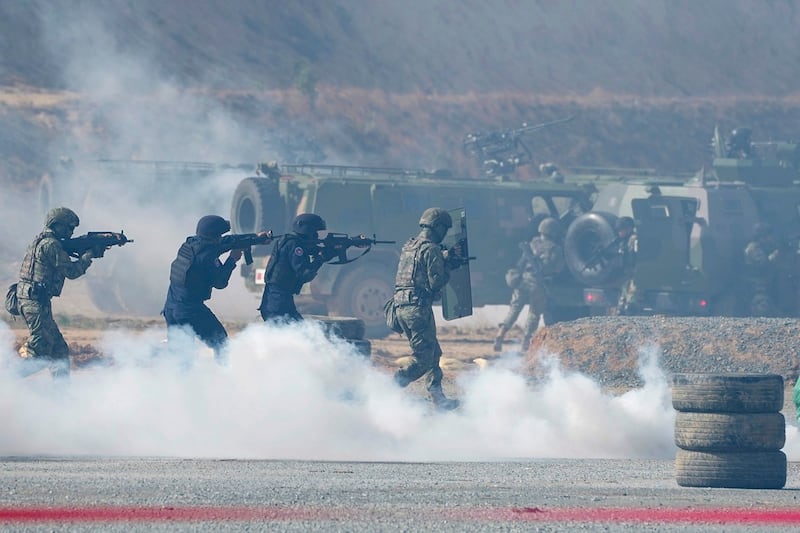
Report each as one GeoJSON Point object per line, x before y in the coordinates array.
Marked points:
{"type": "Point", "coordinates": [350, 329]}
{"type": "Point", "coordinates": [729, 430]}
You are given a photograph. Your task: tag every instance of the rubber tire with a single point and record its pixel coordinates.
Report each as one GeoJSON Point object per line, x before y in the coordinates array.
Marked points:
{"type": "Point", "coordinates": [744, 470]}
{"type": "Point", "coordinates": [727, 393]}
{"type": "Point", "coordinates": [361, 293]}
{"type": "Point", "coordinates": [730, 432]}
{"type": "Point", "coordinates": [588, 233]}
{"type": "Point", "coordinates": [258, 206]}
{"type": "Point", "coordinates": [348, 328]}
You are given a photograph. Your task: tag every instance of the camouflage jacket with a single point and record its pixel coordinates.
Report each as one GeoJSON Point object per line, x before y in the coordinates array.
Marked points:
{"type": "Point", "coordinates": [45, 267]}
{"type": "Point", "coordinates": [422, 271]}
{"type": "Point", "coordinates": [758, 261]}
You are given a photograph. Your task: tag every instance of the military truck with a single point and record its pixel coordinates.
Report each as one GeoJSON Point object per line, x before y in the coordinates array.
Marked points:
{"type": "Point", "coordinates": [692, 233]}
{"type": "Point", "coordinates": [387, 203]}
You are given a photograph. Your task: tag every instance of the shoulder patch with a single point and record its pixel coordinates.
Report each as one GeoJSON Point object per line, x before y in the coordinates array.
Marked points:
{"type": "Point", "coordinates": [299, 251]}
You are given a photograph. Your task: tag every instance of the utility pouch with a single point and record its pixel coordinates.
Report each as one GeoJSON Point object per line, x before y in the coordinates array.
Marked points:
{"type": "Point", "coordinates": [12, 304]}
{"type": "Point", "coordinates": [390, 312]}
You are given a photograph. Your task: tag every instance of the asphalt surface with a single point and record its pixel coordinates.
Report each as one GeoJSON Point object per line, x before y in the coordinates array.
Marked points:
{"type": "Point", "coordinates": [115, 494]}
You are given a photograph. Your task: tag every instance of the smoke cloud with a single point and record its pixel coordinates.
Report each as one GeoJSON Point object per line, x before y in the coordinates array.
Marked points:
{"type": "Point", "coordinates": [291, 393]}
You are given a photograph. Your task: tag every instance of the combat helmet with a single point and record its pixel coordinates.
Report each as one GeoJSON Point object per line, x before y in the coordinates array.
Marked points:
{"type": "Point", "coordinates": [624, 223]}
{"type": "Point", "coordinates": [435, 216]}
{"type": "Point", "coordinates": [308, 224]}
{"type": "Point", "coordinates": [61, 215]}
{"type": "Point", "coordinates": [212, 227]}
{"type": "Point", "coordinates": [550, 227]}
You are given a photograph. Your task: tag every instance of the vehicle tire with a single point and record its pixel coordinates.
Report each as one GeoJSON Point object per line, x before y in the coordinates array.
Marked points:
{"type": "Point", "coordinates": [258, 206]}
{"type": "Point", "coordinates": [588, 234]}
{"type": "Point", "coordinates": [730, 432]}
{"type": "Point", "coordinates": [361, 293]}
{"type": "Point", "coordinates": [120, 286]}
{"type": "Point", "coordinates": [348, 328]}
{"type": "Point", "coordinates": [727, 393]}
{"type": "Point", "coordinates": [744, 470]}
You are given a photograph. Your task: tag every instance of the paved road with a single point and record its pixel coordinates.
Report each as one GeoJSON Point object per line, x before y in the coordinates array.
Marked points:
{"type": "Point", "coordinates": [103, 494]}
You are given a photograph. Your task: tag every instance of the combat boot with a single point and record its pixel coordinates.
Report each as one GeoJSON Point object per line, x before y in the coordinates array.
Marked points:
{"type": "Point", "coordinates": [442, 402]}
{"type": "Point", "coordinates": [498, 340]}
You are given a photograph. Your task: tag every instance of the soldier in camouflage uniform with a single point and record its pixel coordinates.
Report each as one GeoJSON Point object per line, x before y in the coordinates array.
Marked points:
{"type": "Point", "coordinates": [761, 256]}
{"type": "Point", "coordinates": [627, 247]}
{"type": "Point", "coordinates": [42, 275]}
{"type": "Point", "coordinates": [423, 271]}
{"type": "Point", "coordinates": [542, 259]}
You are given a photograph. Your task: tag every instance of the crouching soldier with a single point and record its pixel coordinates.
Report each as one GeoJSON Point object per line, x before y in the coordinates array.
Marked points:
{"type": "Point", "coordinates": [45, 267]}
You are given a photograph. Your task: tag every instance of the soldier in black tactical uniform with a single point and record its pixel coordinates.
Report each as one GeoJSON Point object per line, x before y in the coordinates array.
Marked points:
{"type": "Point", "coordinates": [44, 269]}
{"type": "Point", "coordinates": [423, 271]}
{"type": "Point", "coordinates": [194, 273]}
{"type": "Point", "coordinates": [541, 260]}
{"type": "Point", "coordinates": [296, 259]}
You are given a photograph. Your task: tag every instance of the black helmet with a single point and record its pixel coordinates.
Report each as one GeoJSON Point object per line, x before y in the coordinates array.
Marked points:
{"type": "Point", "coordinates": [212, 226]}
{"type": "Point", "coordinates": [624, 223]}
{"type": "Point", "coordinates": [308, 224]}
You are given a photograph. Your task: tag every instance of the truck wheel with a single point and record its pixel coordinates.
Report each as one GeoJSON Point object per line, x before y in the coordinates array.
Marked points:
{"type": "Point", "coordinates": [257, 206]}
{"type": "Point", "coordinates": [744, 470]}
{"type": "Point", "coordinates": [727, 393]}
{"type": "Point", "coordinates": [361, 293]}
{"type": "Point", "coordinates": [588, 236]}
{"type": "Point", "coordinates": [730, 432]}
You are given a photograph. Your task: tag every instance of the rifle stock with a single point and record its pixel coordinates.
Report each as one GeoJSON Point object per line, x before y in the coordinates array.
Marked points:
{"type": "Point", "coordinates": [335, 246]}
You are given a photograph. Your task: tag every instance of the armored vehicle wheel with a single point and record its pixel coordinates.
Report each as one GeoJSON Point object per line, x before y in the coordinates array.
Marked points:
{"type": "Point", "coordinates": [730, 432]}
{"type": "Point", "coordinates": [587, 249]}
{"type": "Point", "coordinates": [361, 293]}
{"type": "Point", "coordinates": [742, 470]}
{"type": "Point", "coordinates": [257, 206]}
{"type": "Point", "coordinates": [727, 393]}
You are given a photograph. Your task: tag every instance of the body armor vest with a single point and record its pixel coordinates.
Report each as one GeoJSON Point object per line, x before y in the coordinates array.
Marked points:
{"type": "Point", "coordinates": [44, 280]}
{"type": "Point", "coordinates": [180, 266]}
{"type": "Point", "coordinates": [279, 272]}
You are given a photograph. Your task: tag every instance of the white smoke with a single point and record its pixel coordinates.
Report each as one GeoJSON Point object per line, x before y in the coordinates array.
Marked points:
{"type": "Point", "coordinates": [289, 392]}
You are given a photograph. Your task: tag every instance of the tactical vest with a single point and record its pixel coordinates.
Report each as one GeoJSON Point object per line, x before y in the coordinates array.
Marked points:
{"type": "Point", "coordinates": [279, 272]}
{"type": "Point", "coordinates": [180, 266]}
{"type": "Point", "coordinates": [411, 283]}
{"type": "Point", "coordinates": [542, 249]}
{"type": "Point", "coordinates": [42, 280]}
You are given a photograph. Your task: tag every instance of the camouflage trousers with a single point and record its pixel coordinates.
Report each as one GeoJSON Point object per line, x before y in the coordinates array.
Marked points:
{"type": "Point", "coordinates": [419, 328]}
{"type": "Point", "coordinates": [629, 301]}
{"type": "Point", "coordinates": [535, 297]}
{"type": "Point", "coordinates": [45, 345]}
{"type": "Point", "coordinates": [760, 303]}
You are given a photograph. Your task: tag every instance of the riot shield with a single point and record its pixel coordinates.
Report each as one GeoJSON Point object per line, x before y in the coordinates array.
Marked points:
{"type": "Point", "coordinates": [457, 294]}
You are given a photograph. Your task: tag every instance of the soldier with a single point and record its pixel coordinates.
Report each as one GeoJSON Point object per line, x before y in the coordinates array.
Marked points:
{"type": "Point", "coordinates": [44, 269]}
{"type": "Point", "coordinates": [542, 259]}
{"type": "Point", "coordinates": [193, 274]}
{"type": "Point", "coordinates": [552, 172]}
{"type": "Point", "coordinates": [627, 247]}
{"type": "Point", "coordinates": [295, 261]}
{"type": "Point", "coordinates": [422, 272]}
{"type": "Point", "coordinates": [761, 256]}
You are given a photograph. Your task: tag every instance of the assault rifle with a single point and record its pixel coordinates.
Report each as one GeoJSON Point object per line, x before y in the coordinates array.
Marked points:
{"type": "Point", "coordinates": [457, 259]}
{"type": "Point", "coordinates": [335, 245]}
{"type": "Point", "coordinates": [602, 252]}
{"type": "Point", "coordinates": [96, 241]}
{"type": "Point", "coordinates": [244, 242]}
{"type": "Point", "coordinates": [501, 152]}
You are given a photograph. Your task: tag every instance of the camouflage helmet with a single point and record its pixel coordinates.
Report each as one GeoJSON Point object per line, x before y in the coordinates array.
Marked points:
{"type": "Point", "coordinates": [308, 224]}
{"type": "Point", "coordinates": [624, 223]}
{"type": "Point", "coordinates": [212, 226]}
{"type": "Point", "coordinates": [61, 215]}
{"type": "Point", "coordinates": [434, 216]}
{"type": "Point", "coordinates": [550, 227]}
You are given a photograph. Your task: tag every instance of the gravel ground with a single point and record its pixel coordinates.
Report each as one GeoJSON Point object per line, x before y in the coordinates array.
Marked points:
{"type": "Point", "coordinates": [609, 348]}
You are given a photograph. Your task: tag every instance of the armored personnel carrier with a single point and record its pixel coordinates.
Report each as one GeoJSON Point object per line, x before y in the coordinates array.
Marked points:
{"type": "Point", "coordinates": [691, 234]}
{"type": "Point", "coordinates": [387, 202]}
